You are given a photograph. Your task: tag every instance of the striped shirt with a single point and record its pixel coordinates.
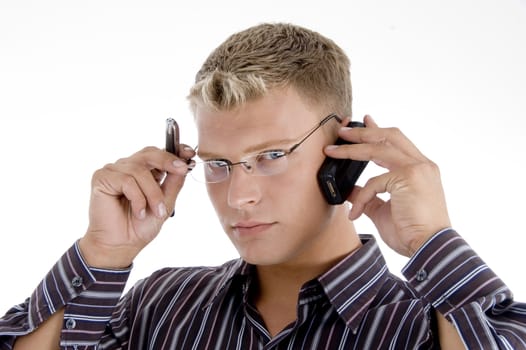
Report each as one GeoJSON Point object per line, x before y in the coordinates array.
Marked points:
{"type": "Point", "coordinates": [357, 304]}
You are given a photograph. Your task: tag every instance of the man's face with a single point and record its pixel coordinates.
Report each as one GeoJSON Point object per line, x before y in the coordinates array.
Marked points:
{"type": "Point", "coordinates": [276, 219]}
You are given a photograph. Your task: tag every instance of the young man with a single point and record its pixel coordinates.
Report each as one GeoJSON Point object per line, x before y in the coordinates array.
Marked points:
{"type": "Point", "coordinates": [269, 103]}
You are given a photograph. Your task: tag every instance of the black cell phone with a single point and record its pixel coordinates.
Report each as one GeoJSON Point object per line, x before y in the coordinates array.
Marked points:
{"type": "Point", "coordinates": [172, 136]}
{"type": "Point", "coordinates": [337, 177]}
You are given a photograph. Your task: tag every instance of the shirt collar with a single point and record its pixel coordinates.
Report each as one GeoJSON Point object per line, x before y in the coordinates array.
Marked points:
{"type": "Point", "coordinates": [231, 270]}
{"type": "Point", "coordinates": [354, 282]}
{"type": "Point", "coordinates": [351, 285]}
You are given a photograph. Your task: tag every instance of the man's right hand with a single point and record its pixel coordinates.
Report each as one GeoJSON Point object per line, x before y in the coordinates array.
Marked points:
{"type": "Point", "coordinates": [130, 200]}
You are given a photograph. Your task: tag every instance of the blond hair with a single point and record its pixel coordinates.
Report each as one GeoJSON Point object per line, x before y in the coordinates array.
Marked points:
{"type": "Point", "coordinates": [251, 62]}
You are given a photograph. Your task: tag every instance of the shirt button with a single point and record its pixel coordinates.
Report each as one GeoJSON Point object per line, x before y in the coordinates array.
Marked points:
{"type": "Point", "coordinates": [76, 281]}
{"type": "Point", "coordinates": [421, 275]}
{"type": "Point", "coordinates": [70, 323]}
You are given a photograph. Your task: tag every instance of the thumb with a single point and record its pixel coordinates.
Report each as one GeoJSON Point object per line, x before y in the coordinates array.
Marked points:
{"type": "Point", "coordinates": [171, 187]}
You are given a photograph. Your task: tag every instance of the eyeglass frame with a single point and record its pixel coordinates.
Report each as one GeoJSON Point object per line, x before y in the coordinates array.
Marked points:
{"type": "Point", "coordinates": [229, 164]}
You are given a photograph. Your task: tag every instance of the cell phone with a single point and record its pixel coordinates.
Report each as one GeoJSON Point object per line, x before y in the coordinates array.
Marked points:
{"type": "Point", "coordinates": [172, 140]}
{"type": "Point", "coordinates": [337, 177]}
{"type": "Point", "coordinates": [172, 136]}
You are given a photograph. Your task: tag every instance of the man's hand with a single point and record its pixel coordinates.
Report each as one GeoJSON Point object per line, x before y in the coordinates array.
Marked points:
{"type": "Point", "coordinates": [130, 200]}
{"type": "Point", "coordinates": [417, 208]}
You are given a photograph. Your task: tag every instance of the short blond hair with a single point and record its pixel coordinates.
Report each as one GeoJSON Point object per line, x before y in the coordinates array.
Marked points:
{"type": "Point", "coordinates": [251, 62]}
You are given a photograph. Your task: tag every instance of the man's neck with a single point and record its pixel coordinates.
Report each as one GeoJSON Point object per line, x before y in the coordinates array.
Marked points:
{"type": "Point", "coordinates": [278, 281]}
{"type": "Point", "coordinates": [278, 286]}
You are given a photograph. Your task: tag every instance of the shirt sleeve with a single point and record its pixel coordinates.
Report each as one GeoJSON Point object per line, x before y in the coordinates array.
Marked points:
{"type": "Point", "coordinates": [88, 296]}
{"type": "Point", "coordinates": [449, 275]}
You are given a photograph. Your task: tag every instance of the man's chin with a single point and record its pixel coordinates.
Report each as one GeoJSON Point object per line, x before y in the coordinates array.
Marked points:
{"type": "Point", "coordinates": [260, 259]}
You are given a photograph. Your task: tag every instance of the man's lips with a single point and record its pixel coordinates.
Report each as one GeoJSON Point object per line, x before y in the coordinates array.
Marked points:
{"type": "Point", "coordinates": [251, 227]}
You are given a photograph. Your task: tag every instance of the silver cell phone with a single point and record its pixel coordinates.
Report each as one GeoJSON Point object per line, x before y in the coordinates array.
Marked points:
{"type": "Point", "coordinates": [172, 140]}
{"type": "Point", "coordinates": [172, 136]}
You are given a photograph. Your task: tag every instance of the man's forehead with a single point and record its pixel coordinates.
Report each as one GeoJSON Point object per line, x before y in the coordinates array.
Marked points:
{"type": "Point", "coordinates": [244, 138]}
{"type": "Point", "coordinates": [274, 120]}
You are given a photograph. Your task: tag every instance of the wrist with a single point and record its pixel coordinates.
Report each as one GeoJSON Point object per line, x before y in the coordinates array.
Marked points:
{"type": "Point", "coordinates": [102, 256]}
{"type": "Point", "coordinates": [417, 244]}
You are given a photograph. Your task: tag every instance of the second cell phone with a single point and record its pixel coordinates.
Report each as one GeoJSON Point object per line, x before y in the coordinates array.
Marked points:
{"type": "Point", "coordinates": [337, 177]}
{"type": "Point", "coordinates": [172, 136]}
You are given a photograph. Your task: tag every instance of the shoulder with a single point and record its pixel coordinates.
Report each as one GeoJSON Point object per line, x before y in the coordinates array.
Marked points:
{"type": "Point", "coordinates": [406, 318]}
{"type": "Point", "coordinates": [186, 282]}
{"type": "Point", "coordinates": [395, 290]}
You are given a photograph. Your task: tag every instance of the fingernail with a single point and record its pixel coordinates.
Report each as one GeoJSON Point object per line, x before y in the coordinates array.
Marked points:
{"type": "Point", "coordinates": [188, 148]}
{"type": "Point", "coordinates": [329, 147]}
{"type": "Point", "coordinates": [162, 210]}
{"type": "Point", "coordinates": [142, 214]}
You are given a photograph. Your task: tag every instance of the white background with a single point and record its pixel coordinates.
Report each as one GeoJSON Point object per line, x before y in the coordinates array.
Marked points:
{"type": "Point", "coordinates": [85, 83]}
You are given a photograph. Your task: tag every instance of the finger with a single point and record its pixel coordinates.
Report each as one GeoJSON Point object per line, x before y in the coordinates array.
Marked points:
{"type": "Point", "coordinates": [158, 175]}
{"type": "Point", "coordinates": [365, 199]}
{"type": "Point", "coordinates": [147, 167]}
{"type": "Point", "coordinates": [173, 181]}
{"type": "Point", "coordinates": [171, 187]}
{"type": "Point", "coordinates": [155, 158]}
{"type": "Point", "coordinates": [372, 134]}
{"type": "Point", "coordinates": [381, 154]}
{"type": "Point", "coordinates": [345, 121]}
{"type": "Point", "coordinates": [180, 167]}
{"type": "Point", "coordinates": [369, 121]}
{"type": "Point", "coordinates": [135, 174]}
{"type": "Point", "coordinates": [108, 182]}
{"type": "Point", "coordinates": [355, 213]}
{"type": "Point", "coordinates": [186, 152]}
{"type": "Point", "coordinates": [133, 193]}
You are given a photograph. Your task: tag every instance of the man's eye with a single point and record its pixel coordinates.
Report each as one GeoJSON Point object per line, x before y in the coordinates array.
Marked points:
{"type": "Point", "coordinates": [271, 155]}
{"type": "Point", "coordinates": [217, 163]}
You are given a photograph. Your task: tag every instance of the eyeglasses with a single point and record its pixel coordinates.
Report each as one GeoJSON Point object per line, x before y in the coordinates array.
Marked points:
{"type": "Point", "coordinates": [266, 163]}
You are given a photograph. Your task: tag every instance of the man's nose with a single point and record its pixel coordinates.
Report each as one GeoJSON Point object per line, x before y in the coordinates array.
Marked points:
{"type": "Point", "coordinates": [243, 188]}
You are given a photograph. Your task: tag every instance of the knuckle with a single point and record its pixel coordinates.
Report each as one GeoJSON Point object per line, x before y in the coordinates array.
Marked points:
{"type": "Point", "coordinates": [427, 168]}
{"type": "Point", "coordinates": [141, 155]}
{"type": "Point", "coordinates": [128, 181]}
{"type": "Point", "coordinates": [101, 173]}
{"type": "Point", "coordinates": [96, 175]}
{"type": "Point", "coordinates": [413, 171]}
{"type": "Point", "coordinates": [433, 167]}
{"type": "Point", "coordinates": [395, 133]}
{"type": "Point", "coordinates": [107, 167]}
{"type": "Point", "coordinates": [119, 161]}
{"type": "Point", "coordinates": [148, 149]}
{"type": "Point", "coordinates": [374, 185]}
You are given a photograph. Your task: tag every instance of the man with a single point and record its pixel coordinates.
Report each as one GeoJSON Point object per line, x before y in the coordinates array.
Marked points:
{"type": "Point", "coordinates": [269, 103]}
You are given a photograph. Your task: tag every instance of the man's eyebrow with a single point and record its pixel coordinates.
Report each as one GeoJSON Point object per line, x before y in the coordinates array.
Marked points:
{"type": "Point", "coordinates": [273, 144]}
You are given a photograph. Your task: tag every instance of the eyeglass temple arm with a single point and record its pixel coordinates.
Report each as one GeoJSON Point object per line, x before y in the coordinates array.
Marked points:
{"type": "Point", "coordinates": [320, 124]}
